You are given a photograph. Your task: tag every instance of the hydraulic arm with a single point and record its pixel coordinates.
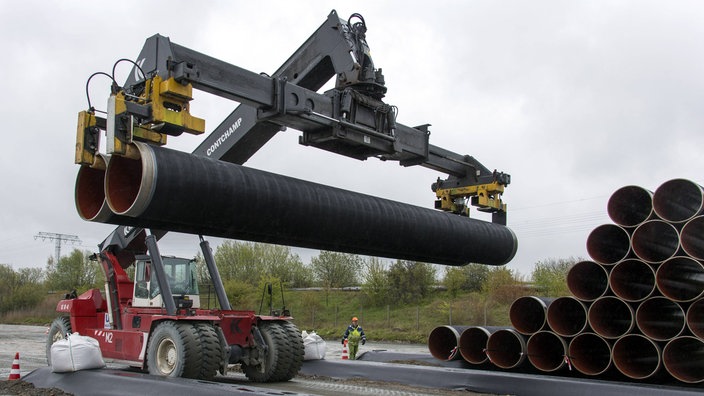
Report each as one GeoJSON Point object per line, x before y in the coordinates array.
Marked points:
{"type": "Point", "coordinates": [350, 120]}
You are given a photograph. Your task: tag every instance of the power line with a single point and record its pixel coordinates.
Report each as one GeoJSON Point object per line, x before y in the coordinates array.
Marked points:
{"type": "Point", "coordinates": [58, 239]}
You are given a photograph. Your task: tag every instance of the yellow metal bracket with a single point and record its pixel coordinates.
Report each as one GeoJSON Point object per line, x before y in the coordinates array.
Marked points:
{"type": "Point", "coordinates": [87, 138]}
{"type": "Point", "coordinates": [486, 197]}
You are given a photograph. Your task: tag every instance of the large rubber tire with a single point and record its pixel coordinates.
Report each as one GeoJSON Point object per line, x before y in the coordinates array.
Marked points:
{"type": "Point", "coordinates": [296, 350]}
{"type": "Point", "coordinates": [174, 350]}
{"type": "Point", "coordinates": [59, 330]}
{"type": "Point", "coordinates": [211, 350]}
{"type": "Point", "coordinates": [274, 365]}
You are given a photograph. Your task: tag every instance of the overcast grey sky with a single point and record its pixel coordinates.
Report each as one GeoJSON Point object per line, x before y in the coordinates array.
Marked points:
{"type": "Point", "coordinates": [574, 99]}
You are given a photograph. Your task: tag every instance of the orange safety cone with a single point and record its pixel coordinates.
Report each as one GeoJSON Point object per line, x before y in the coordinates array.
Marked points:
{"type": "Point", "coordinates": [345, 355]}
{"type": "Point", "coordinates": [15, 372]}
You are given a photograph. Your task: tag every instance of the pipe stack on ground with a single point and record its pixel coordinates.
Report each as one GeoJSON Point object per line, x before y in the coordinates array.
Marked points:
{"type": "Point", "coordinates": [637, 307]}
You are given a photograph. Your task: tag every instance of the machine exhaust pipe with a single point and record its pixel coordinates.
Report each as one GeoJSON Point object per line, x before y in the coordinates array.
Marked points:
{"type": "Point", "coordinates": [444, 342]}
{"type": "Point", "coordinates": [547, 351]}
{"type": "Point", "coordinates": [590, 354]}
{"type": "Point", "coordinates": [692, 238]}
{"type": "Point", "coordinates": [681, 279]}
{"type": "Point", "coordinates": [655, 241]}
{"type": "Point", "coordinates": [630, 206]}
{"type": "Point", "coordinates": [588, 280]}
{"type": "Point", "coordinates": [636, 356]}
{"type": "Point", "coordinates": [695, 318]}
{"type": "Point", "coordinates": [168, 187]}
{"type": "Point", "coordinates": [567, 316]}
{"type": "Point", "coordinates": [632, 280]}
{"type": "Point", "coordinates": [678, 200]}
{"type": "Point", "coordinates": [506, 348]}
{"type": "Point", "coordinates": [608, 244]}
{"type": "Point", "coordinates": [473, 342]}
{"type": "Point", "coordinates": [660, 318]}
{"type": "Point", "coordinates": [611, 317]}
{"type": "Point", "coordinates": [683, 357]}
{"type": "Point", "coordinates": [529, 314]}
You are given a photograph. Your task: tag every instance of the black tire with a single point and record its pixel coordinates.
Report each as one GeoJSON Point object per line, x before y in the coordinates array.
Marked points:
{"type": "Point", "coordinates": [211, 350]}
{"type": "Point", "coordinates": [273, 366]}
{"type": "Point", "coordinates": [174, 351]}
{"type": "Point", "coordinates": [296, 349]}
{"type": "Point", "coordinates": [59, 330]}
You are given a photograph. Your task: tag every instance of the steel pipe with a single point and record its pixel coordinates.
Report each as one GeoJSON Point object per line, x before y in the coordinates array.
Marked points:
{"type": "Point", "coordinates": [567, 316]}
{"type": "Point", "coordinates": [588, 280]}
{"type": "Point", "coordinates": [692, 238]}
{"type": "Point", "coordinates": [473, 341]}
{"type": "Point", "coordinates": [90, 194]}
{"type": "Point", "coordinates": [695, 318]}
{"type": "Point", "coordinates": [546, 351]}
{"type": "Point", "coordinates": [590, 354]}
{"type": "Point", "coordinates": [528, 314]}
{"type": "Point", "coordinates": [681, 279]}
{"type": "Point", "coordinates": [684, 359]}
{"type": "Point", "coordinates": [655, 241]}
{"type": "Point", "coordinates": [506, 348]}
{"type": "Point", "coordinates": [444, 342]}
{"type": "Point", "coordinates": [678, 200]}
{"type": "Point", "coordinates": [611, 317]}
{"type": "Point", "coordinates": [608, 244]}
{"type": "Point", "coordinates": [630, 206]}
{"type": "Point", "coordinates": [199, 195]}
{"type": "Point", "coordinates": [637, 356]}
{"type": "Point", "coordinates": [632, 280]}
{"type": "Point", "coordinates": [660, 318]}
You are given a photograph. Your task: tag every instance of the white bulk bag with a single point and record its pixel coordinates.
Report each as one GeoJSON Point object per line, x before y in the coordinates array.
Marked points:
{"type": "Point", "coordinates": [314, 346]}
{"type": "Point", "coordinates": [75, 353]}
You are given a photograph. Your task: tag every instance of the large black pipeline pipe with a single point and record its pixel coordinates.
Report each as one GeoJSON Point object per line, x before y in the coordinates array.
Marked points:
{"type": "Point", "coordinates": [90, 192]}
{"type": "Point", "coordinates": [473, 341]}
{"type": "Point", "coordinates": [632, 280]}
{"type": "Point", "coordinates": [678, 200]}
{"type": "Point", "coordinates": [684, 359]}
{"type": "Point", "coordinates": [695, 318]}
{"type": "Point", "coordinates": [588, 280]}
{"type": "Point", "coordinates": [546, 351]}
{"type": "Point", "coordinates": [611, 317]}
{"type": "Point", "coordinates": [692, 238]}
{"type": "Point", "coordinates": [636, 356]}
{"type": "Point", "coordinates": [590, 354]}
{"type": "Point", "coordinates": [444, 342]}
{"type": "Point", "coordinates": [655, 241]}
{"type": "Point", "coordinates": [629, 206]}
{"type": "Point", "coordinates": [660, 318]}
{"type": "Point", "coordinates": [681, 278]}
{"type": "Point", "coordinates": [506, 348]}
{"type": "Point", "coordinates": [608, 244]}
{"type": "Point", "coordinates": [199, 195]}
{"type": "Point", "coordinates": [529, 314]}
{"type": "Point", "coordinates": [567, 316]}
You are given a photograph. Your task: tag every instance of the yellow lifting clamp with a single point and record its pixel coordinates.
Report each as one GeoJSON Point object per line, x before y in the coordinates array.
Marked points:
{"type": "Point", "coordinates": [161, 110]}
{"type": "Point", "coordinates": [486, 197]}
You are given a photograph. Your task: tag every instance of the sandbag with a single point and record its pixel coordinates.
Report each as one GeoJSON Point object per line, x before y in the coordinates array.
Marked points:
{"type": "Point", "coordinates": [74, 353]}
{"type": "Point", "coordinates": [314, 346]}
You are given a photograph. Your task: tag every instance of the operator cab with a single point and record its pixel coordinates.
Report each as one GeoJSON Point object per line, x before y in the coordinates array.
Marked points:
{"type": "Point", "coordinates": [181, 277]}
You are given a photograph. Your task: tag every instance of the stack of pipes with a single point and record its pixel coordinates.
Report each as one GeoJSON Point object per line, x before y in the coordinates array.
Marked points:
{"type": "Point", "coordinates": [637, 308]}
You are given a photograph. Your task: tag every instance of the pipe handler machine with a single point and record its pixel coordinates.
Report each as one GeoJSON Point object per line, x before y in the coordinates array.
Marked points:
{"type": "Point", "coordinates": [154, 321]}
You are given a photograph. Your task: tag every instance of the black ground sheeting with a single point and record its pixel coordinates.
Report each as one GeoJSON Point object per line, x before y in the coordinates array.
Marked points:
{"type": "Point", "coordinates": [429, 372]}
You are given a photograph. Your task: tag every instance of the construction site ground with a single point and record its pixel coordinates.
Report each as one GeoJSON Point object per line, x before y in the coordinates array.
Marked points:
{"type": "Point", "coordinates": [385, 369]}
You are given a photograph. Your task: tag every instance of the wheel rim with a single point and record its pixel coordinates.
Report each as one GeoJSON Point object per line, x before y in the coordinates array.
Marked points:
{"type": "Point", "coordinates": [166, 356]}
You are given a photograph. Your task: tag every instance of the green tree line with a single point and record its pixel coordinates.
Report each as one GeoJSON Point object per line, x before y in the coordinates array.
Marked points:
{"type": "Point", "coordinates": [246, 268]}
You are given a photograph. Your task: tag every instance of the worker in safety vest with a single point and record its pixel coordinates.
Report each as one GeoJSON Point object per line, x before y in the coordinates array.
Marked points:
{"type": "Point", "coordinates": [354, 334]}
